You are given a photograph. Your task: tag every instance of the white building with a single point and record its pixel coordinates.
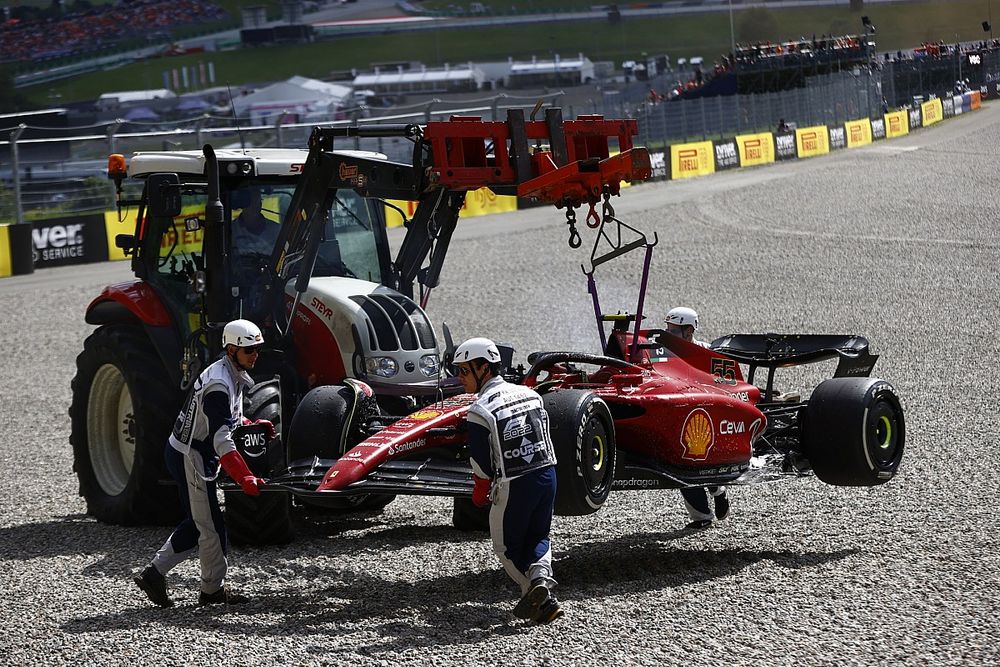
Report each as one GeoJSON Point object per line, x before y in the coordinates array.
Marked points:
{"type": "Point", "coordinates": [555, 72]}
{"type": "Point", "coordinates": [446, 79]}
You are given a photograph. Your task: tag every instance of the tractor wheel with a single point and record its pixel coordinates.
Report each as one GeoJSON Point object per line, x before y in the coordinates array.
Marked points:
{"type": "Point", "coordinates": [854, 432]}
{"type": "Point", "coordinates": [317, 429]}
{"type": "Point", "coordinates": [583, 433]}
{"type": "Point", "coordinates": [467, 517]}
{"type": "Point", "coordinates": [267, 518]}
{"type": "Point", "coordinates": [122, 411]}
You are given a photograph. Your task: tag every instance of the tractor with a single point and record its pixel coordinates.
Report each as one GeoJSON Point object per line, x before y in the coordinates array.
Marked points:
{"type": "Point", "coordinates": [316, 272]}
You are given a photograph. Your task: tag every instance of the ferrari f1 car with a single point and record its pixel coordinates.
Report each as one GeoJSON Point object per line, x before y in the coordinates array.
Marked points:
{"type": "Point", "coordinates": [651, 411]}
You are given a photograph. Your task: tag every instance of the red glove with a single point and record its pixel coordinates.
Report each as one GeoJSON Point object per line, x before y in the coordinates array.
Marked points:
{"type": "Point", "coordinates": [481, 491]}
{"type": "Point", "coordinates": [236, 467]}
{"type": "Point", "coordinates": [271, 433]}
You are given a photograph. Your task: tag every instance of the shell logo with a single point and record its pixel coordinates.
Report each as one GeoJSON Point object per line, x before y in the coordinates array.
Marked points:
{"type": "Point", "coordinates": [425, 414]}
{"type": "Point", "coordinates": [697, 436]}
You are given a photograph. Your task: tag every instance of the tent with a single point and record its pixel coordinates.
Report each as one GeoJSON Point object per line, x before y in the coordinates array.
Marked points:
{"type": "Point", "coordinates": [141, 113]}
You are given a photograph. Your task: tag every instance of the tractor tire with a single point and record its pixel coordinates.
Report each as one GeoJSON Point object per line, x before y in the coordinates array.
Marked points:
{"type": "Point", "coordinates": [265, 519]}
{"type": "Point", "coordinates": [854, 433]}
{"type": "Point", "coordinates": [465, 516]}
{"type": "Point", "coordinates": [122, 410]}
{"type": "Point", "coordinates": [316, 429]}
{"type": "Point", "coordinates": [583, 434]}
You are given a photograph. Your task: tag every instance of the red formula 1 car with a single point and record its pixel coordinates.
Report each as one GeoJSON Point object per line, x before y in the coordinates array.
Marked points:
{"type": "Point", "coordinates": [652, 411]}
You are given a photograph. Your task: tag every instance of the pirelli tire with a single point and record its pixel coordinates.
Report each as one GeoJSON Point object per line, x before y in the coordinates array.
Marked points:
{"type": "Point", "coordinates": [265, 519]}
{"type": "Point", "coordinates": [854, 432]}
{"type": "Point", "coordinates": [317, 429]}
{"type": "Point", "coordinates": [121, 413]}
{"type": "Point", "coordinates": [583, 434]}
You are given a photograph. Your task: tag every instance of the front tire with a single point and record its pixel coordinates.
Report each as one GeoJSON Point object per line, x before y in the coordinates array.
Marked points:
{"type": "Point", "coordinates": [583, 434]}
{"type": "Point", "coordinates": [854, 432]}
{"type": "Point", "coordinates": [318, 429]}
{"type": "Point", "coordinates": [122, 411]}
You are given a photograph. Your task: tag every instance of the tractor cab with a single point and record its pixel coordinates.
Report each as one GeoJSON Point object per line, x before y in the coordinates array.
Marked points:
{"type": "Point", "coordinates": [208, 255]}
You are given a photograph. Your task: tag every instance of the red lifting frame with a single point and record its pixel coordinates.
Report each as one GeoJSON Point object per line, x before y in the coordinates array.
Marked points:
{"type": "Point", "coordinates": [461, 163]}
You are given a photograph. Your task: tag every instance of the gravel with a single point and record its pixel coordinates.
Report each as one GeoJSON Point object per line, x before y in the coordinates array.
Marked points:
{"type": "Point", "coordinates": [898, 242]}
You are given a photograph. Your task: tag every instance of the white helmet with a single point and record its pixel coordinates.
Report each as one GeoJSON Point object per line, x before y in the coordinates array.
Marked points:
{"type": "Point", "coordinates": [683, 317]}
{"type": "Point", "coordinates": [478, 348]}
{"type": "Point", "coordinates": [242, 333]}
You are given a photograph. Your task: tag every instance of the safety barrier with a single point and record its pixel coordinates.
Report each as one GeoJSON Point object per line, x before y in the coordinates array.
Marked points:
{"type": "Point", "coordinates": [90, 238]}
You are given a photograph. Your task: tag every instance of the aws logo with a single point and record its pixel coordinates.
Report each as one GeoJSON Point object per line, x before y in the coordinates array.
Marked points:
{"type": "Point", "coordinates": [697, 435]}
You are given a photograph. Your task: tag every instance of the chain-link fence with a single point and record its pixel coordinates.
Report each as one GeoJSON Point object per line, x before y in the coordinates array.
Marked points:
{"type": "Point", "coordinates": [35, 186]}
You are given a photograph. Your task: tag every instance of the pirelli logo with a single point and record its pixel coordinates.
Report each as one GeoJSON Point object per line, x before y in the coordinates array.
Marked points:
{"type": "Point", "coordinates": [895, 124]}
{"type": "Point", "coordinates": [857, 135]}
{"type": "Point", "coordinates": [754, 149]}
{"type": "Point", "coordinates": [688, 160]}
{"type": "Point", "coordinates": [810, 141]}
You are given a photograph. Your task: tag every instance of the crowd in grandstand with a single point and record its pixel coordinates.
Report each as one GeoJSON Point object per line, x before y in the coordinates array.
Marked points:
{"type": "Point", "coordinates": [98, 27]}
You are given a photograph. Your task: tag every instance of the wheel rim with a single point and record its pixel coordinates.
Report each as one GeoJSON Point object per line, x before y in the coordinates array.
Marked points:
{"type": "Point", "coordinates": [883, 437]}
{"type": "Point", "coordinates": [596, 462]}
{"type": "Point", "coordinates": [110, 430]}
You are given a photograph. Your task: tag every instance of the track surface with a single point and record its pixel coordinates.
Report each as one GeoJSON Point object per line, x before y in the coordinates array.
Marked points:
{"type": "Point", "coordinates": [898, 241]}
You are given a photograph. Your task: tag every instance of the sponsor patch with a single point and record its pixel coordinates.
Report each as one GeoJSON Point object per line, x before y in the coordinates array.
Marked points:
{"type": "Point", "coordinates": [697, 435]}
{"type": "Point", "coordinates": [423, 415]}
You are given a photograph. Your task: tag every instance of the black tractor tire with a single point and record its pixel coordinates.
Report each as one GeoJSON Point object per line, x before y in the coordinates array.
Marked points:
{"type": "Point", "coordinates": [316, 429]}
{"type": "Point", "coordinates": [265, 519]}
{"type": "Point", "coordinates": [583, 434]}
{"type": "Point", "coordinates": [853, 433]}
{"type": "Point", "coordinates": [465, 516]}
{"type": "Point", "coordinates": [122, 410]}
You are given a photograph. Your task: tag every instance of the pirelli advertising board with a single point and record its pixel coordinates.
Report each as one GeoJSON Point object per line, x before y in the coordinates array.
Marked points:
{"type": "Point", "coordinates": [859, 132]}
{"type": "Point", "coordinates": [896, 124]}
{"type": "Point", "coordinates": [755, 149]}
{"type": "Point", "coordinates": [812, 141]}
{"type": "Point", "coordinates": [477, 202]}
{"type": "Point", "coordinates": [687, 160]}
{"type": "Point", "coordinates": [932, 112]}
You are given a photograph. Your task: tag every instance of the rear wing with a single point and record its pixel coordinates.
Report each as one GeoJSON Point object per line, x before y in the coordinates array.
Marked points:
{"type": "Point", "coordinates": [773, 351]}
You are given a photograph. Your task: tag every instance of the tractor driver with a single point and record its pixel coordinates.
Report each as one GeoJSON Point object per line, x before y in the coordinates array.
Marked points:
{"type": "Point", "coordinates": [513, 463]}
{"type": "Point", "coordinates": [253, 232]}
{"type": "Point", "coordinates": [254, 236]}
{"type": "Point", "coordinates": [200, 443]}
{"type": "Point", "coordinates": [683, 322]}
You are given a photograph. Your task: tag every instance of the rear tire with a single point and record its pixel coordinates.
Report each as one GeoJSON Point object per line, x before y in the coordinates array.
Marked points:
{"type": "Point", "coordinates": [854, 432]}
{"type": "Point", "coordinates": [317, 429]}
{"type": "Point", "coordinates": [122, 411]}
{"type": "Point", "coordinates": [583, 433]}
{"type": "Point", "coordinates": [265, 519]}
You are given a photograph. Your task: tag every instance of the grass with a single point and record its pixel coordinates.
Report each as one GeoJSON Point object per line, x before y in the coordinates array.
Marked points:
{"type": "Point", "coordinates": [900, 25]}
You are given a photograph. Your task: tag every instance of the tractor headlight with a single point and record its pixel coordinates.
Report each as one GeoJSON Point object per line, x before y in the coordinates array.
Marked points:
{"type": "Point", "coordinates": [382, 366]}
{"type": "Point", "coordinates": [429, 365]}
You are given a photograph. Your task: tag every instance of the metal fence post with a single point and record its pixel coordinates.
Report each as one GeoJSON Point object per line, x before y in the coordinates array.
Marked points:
{"type": "Point", "coordinates": [279, 138]}
{"type": "Point", "coordinates": [112, 129]}
{"type": "Point", "coordinates": [15, 171]}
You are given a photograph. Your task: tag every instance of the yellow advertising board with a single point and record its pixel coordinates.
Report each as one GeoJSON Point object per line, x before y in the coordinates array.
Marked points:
{"type": "Point", "coordinates": [812, 141]}
{"type": "Point", "coordinates": [755, 148]}
{"type": "Point", "coordinates": [932, 112]}
{"type": "Point", "coordinates": [859, 132]}
{"type": "Point", "coordinates": [897, 124]}
{"type": "Point", "coordinates": [477, 202]}
{"type": "Point", "coordinates": [687, 160]}
{"type": "Point", "coordinates": [5, 267]}
{"type": "Point", "coordinates": [187, 241]}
